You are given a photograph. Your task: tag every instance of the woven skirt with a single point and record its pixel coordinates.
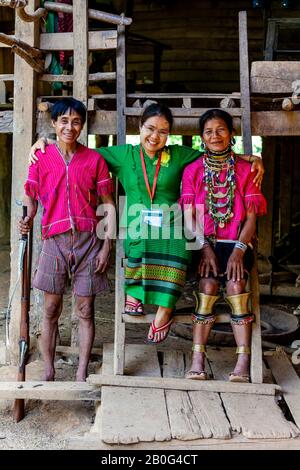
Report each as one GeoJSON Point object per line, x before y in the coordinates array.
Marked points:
{"type": "Point", "coordinates": [156, 268]}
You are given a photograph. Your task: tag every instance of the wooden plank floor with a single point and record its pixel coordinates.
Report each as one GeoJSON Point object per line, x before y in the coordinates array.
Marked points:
{"type": "Point", "coordinates": [138, 418]}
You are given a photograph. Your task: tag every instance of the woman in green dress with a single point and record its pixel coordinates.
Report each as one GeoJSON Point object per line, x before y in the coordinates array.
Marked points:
{"type": "Point", "coordinates": [155, 247]}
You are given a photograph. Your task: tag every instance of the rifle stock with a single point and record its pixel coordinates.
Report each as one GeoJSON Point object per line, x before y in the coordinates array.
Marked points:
{"type": "Point", "coordinates": [19, 404]}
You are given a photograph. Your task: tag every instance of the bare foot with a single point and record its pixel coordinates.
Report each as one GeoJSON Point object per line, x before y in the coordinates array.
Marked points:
{"type": "Point", "coordinates": [81, 375]}
{"type": "Point", "coordinates": [242, 365]}
{"type": "Point", "coordinates": [49, 374]}
{"type": "Point", "coordinates": [198, 362]}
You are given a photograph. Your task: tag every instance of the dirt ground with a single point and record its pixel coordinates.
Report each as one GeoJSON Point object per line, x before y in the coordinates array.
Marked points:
{"type": "Point", "coordinates": [48, 424]}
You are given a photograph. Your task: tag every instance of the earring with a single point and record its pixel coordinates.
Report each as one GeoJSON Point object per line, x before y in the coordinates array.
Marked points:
{"type": "Point", "coordinates": [203, 146]}
{"type": "Point", "coordinates": [232, 141]}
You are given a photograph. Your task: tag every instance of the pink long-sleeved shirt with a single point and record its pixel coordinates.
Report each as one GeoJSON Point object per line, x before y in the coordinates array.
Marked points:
{"type": "Point", "coordinates": [247, 197]}
{"type": "Point", "coordinates": [68, 191]}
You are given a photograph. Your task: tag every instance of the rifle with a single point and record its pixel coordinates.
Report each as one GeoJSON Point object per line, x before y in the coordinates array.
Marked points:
{"type": "Point", "coordinates": [24, 266]}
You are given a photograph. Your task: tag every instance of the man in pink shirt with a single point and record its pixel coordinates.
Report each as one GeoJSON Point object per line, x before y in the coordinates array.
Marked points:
{"type": "Point", "coordinates": [68, 183]}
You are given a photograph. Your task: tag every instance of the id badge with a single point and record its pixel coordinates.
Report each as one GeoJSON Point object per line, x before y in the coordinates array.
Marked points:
{"type": "Point", "coordinates": [152, 217]}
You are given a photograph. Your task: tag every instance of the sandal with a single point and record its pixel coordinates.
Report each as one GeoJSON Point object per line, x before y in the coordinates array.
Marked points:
{"type": "Point", "coordinates": [245, 378]}
{"type": "Point", "coordinates": [156, 329]}
{"type": "Point", "coordinates": [134, 308]}
{"type": "Point", "coordinates": [194, 375]}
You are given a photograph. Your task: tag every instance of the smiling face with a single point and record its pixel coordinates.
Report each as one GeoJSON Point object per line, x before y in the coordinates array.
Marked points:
{"type": "Point", "coordinates": [154, 134]}
{"type": "Point", "coordinates": [216, 135]}
{"type": "Point", "coordinates": [68, 127]}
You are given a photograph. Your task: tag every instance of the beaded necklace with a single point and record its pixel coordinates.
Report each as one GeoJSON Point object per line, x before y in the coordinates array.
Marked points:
{"type": "Point", "coordinates": [214, 163]}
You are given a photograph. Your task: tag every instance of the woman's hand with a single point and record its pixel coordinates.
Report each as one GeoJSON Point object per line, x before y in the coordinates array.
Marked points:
{"type": "Point", "coordinates": [257, 166]}
{"type": "Point", "coordinates": [235, 266]}
{"type": "Point", "coordinates": [38, 145]}
{"type": "Point", "coordinates": [208, 262]}
{"type": "Point", "coordinates": [25, 225]}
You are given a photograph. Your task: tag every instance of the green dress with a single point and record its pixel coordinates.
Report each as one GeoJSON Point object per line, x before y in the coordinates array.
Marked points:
{"type": "Point", "coordinates": [157, 258]}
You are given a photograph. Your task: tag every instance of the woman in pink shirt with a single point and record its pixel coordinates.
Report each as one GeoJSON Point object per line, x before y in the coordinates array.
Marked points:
{"type": "Point", "coordinates": [219, 196]}
{"type": "Point", "coordinates": [67, 184]}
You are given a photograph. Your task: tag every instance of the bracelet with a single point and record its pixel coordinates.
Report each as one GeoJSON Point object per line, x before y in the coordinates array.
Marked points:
{"type": "Point", "coordinates": [205, 243]}
{"type": "Point", "coordinates": [202, 241]}
{"type": "Point", "coordinates": [241, 246]}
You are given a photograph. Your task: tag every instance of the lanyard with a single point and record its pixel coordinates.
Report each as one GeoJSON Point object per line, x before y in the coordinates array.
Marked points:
{"type": "Point", "coordinates": [150, 191]}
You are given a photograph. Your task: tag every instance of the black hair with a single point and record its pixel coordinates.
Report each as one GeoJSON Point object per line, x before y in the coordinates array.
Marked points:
{"type": "Point", "coordinates": [216, 114]}
{"type": "Point", "coordinates": [157, 109]}
{"type": "Point", "coordinates": [62, 106]}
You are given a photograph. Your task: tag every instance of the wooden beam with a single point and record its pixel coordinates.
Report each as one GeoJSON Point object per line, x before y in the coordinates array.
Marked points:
{"type": "Point", "coordinates": [183, 384]}
{"type": "Point", "coordinates": [7, 77]}
{"type": "Point", "coordinates": [272, 123]}
{"type": "Point", "coordinates": [92, 14]}
{"type": "Point", "coordinates": [98, 40]}
{"type": "Point", "coordinates": [263, 123]}
{"type": "Point", "coordinates": [74, 351]}
{"type": "Point", "coordinates": [49, 391]}
{"type": "Point", "coordinates": [177, 318]}
{"type": "Point", "coordinates": [93, 77]}
{"type": "Point", "coordinates": [286, 376]}
{"type": "Point", "coordinates": [274, 76]}
{"type": "Point", "coordinates": [283, 290]}
{"type": "Point", "coordinates": [183, 112]}
{"type": "Point", "coordinates": [169, 96]}
{"type": "Point", "coordinates": [93, 442]}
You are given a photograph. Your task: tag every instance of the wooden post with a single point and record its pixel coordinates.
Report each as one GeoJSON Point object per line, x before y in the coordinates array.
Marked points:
{"type": "Point", "coordinates": [271, 39]}
{"type": "Point", "coordinates": [81, 51]}
{"type": "Point", "coordinates": [256, 371]}
{"type": "Point", "coordinates": [80, 92]}
{"type": "Point", "coordinates": [286, 179]}
{"type": "Point", "coordinates": [121, 85]}
{"type": "Point", "coordinates": [266, 223]}
{"type": "Point", "coordinates": [24, 131]}
{"type": "Point", "coordinates": [244, 82]}
{"type": "Point", "coordinates": [119, 348]}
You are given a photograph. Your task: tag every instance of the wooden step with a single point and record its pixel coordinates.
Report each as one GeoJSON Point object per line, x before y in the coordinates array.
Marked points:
{"type": "Point", "coordinates": [182, 384]}
{"type": "Point", "coordinates": [49, 391]}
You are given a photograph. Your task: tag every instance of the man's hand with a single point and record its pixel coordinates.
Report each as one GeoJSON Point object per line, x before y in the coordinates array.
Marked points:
{"type": "Point", "coordinates": [102, 259]}
{"type": "Point", "coordinates": [258, 166]}
{"type": "Point", "coordinates": [25, 225]}
{"type": "Point", "coordinates": [235, 266]}
{"type": "Point", "coordinates": [208, 262]}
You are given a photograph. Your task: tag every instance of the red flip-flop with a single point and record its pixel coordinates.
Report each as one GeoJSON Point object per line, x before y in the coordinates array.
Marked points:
{"type": "Point", "coordinates": [135, 308]}
{"type": "Point", "coordinates": [156, 329]}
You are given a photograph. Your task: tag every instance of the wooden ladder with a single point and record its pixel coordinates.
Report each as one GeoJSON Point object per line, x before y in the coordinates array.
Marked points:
{"type": "Point", "coordinates": [121, 319]}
